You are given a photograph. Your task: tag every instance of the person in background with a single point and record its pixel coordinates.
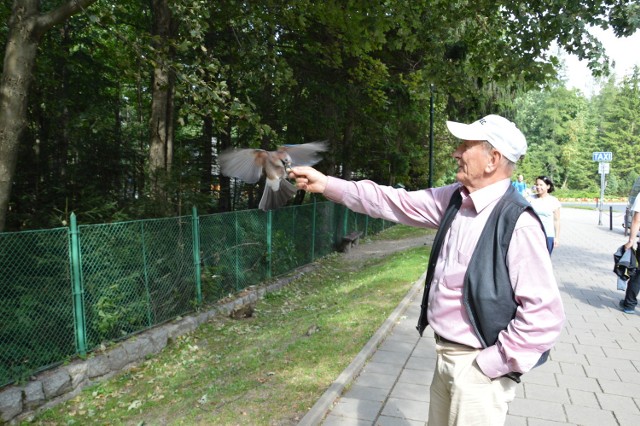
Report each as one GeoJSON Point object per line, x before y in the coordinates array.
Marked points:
{"type": "Point", "coordinates": [521, 186]}
{"type": "Point", "coordinates": [492, 319]}
{"type": "Point", "coordinates": [630, 301]}
{"type": "Point", "coordinates": [548, 209]}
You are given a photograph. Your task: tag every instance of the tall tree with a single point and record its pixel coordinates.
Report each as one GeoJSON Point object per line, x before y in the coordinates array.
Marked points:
{"type": "Point", "coordinates": [26, 26]}
{"type": "Point", "coordinates": [162, 104]}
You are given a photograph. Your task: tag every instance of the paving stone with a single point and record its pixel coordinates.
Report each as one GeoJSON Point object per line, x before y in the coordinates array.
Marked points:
{"type": "Point", "coordinates": [546, 393]}
{"type": "Point", "coordinates": [421, 363]}
{"type": "Point", "coordinates": [396, 421]}
{"type": "Point", "coordinates": [406, 409]}
{"type": "Point", "coordinates": [399, 347]}
{"type": "Point", "coordinates": [418, 377]}
{"type": "Point", "coordinates": [583, 398]}
{"type": "Point", "coordinates": [382, 368]}
{"type": "Point", "coordinates": [375, 380]}
{"type": "Point", "coordinates": [540, 422]}
{"type": "Point", "coordinates": [335, 420]}
{"type": "Point", "coordinates": [357, 409]}
{"type": "Point", "coordinates": [569, 369]}
{"type": "Point", "coordinates": [580, 383]}
{"type": "Point", "coordinates": [596, 372]}
{"type": "Point", "coordinates": [550, 366]}
{"type": "Point", "coordinates": [414, 392]}
{"type": "Point", "coordinates": [539, 376]}
{"type": "Point", "coordinates": [618, 364]}
{"type": "Point", "coordinates": [589, 350]}
{"type": "Point", "coordinates": [620, 405]}
{"type": "Point", "coordinates": [515, 421]}
{"type": "Point", "coordinates": [543, 410]}
{"type": "Point", "coordinates": [629, 377]}
{"type": "Point", "coordinates": [368, 393]}
{"type": "Point", "coordinates": [619, 388]}
{"type": "Point", "coordinates": [626, 420]}
{"type": "Point", "coordinates": [586, 416]}
{"type": "Point", "coordinates": [388, 357]}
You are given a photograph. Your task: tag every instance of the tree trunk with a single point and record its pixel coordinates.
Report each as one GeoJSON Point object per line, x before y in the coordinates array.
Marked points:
{"type": "Point", "coordinates": [26, 27]}
{"type": "Point", "coordinates": [161, 122]}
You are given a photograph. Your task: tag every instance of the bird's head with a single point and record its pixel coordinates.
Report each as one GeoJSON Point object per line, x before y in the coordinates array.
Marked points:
{"type": "Point", "coordinates": [286, 160]}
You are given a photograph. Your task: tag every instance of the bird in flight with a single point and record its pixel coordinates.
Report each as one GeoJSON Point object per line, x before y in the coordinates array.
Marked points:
{"type": "Point", "coordinates": [250, 164]}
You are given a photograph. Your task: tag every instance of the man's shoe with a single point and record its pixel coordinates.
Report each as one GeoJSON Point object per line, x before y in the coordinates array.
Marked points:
{"type": "Point", "coordinates": [626, 310]}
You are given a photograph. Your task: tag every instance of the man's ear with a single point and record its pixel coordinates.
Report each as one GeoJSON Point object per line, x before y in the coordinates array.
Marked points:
{"type": "Point", "coordinates": [495, 158]}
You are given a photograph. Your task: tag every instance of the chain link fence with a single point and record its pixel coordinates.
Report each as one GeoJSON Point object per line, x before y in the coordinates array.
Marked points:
{"type": "Point", "coordinates": [65, 291]}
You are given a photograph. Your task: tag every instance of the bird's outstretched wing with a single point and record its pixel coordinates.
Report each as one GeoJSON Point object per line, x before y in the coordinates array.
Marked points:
{"type": "Point", "coordinates": [306, 154]}
{"type": "Point", "coordinates": [245, 164]}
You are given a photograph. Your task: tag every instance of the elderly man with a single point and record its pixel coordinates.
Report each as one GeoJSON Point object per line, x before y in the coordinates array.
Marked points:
{"type": "Point", "coordinates": [490, 294]}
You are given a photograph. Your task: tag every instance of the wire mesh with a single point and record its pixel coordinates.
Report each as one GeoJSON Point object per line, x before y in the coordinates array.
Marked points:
{"type": "Point", "coordinates": [134, 275]}
{"type": "Point", "coordinates": [36, 314]}
{"type": "Point", "coordinates": [232, 251]}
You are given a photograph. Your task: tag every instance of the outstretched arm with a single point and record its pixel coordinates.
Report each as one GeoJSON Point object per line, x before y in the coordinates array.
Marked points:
{"type": "Point", "coordinates": [309, 179]}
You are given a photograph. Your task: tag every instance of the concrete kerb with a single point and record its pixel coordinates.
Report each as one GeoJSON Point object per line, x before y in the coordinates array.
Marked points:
{"type": "Point", "coordinates": [320, 409]}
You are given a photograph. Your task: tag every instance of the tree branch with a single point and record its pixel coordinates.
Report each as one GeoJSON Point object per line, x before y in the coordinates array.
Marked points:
{"type": "Point", "coordinates": [62, 13]}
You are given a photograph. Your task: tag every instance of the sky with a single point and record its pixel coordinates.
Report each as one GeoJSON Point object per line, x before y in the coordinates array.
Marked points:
{"type": "Point", "coordinates": [624, 51]}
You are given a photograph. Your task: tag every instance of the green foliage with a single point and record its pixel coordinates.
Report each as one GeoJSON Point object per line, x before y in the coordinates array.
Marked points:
{"type": "Point", "coordinates": [265, 73]}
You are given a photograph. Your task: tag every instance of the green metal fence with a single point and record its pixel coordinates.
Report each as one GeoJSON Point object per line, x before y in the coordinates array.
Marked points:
{"type": "Point", "coordinates": [65, 291]}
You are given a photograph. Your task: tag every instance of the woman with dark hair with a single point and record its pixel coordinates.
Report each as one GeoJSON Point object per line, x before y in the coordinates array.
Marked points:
{"type": "Point", "coordinates": [548, 209]}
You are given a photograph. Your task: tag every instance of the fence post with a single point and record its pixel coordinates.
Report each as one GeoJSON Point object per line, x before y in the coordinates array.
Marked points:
{"type": "Point", "coordinates": [269, 247]}
{"type": "Point", "coordinates": [195, 229]}
{"type": "Point", "coordinates": [366, 226]}
{"type": "Point", "coordinates": [237, 256]}
{"type": "Point", "coordinates": [78, 293]}
{"type": "Point", "coordinates": [345, 228]}
{"type": "Point", "coordinates": [145, 263]}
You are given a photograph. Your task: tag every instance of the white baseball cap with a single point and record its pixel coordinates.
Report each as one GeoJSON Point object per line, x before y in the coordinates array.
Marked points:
{"type": "Point", "coordinates": [498, 131]}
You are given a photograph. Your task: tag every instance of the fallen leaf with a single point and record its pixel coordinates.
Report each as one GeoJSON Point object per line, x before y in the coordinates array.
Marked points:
{"type": "Point", "coordinates": [135, 404]}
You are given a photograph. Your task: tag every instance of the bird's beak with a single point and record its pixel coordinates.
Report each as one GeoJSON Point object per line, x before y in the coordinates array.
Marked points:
{"type": "Point", "coordinates": [287, 166]}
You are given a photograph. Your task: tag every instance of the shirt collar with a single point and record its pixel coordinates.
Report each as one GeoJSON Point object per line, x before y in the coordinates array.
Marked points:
{"type": "Point", "coordinates": [487, 195]}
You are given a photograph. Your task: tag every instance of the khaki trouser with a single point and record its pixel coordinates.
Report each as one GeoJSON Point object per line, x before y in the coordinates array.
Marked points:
{"type": "Point", "coordinates": [461, 395]}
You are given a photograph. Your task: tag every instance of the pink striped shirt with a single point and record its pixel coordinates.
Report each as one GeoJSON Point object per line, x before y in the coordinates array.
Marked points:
{"type": "Point", "coordinates": [540, 314]}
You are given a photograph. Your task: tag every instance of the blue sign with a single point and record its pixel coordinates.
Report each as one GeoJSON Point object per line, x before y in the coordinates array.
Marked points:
{"type": "Point", "coordinates": [602, 156]}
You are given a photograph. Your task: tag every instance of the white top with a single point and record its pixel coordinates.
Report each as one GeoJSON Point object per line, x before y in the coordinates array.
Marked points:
{"type": "Point", "coordinates": [545, 207]}
{"type": "Point", "coordinates": [636, 204]}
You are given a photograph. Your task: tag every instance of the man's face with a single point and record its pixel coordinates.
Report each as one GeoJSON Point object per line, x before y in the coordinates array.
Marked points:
{"type": "Point", "coordinates": [520, 178]}
{"type": "Point", "coordinates": [472, 158]}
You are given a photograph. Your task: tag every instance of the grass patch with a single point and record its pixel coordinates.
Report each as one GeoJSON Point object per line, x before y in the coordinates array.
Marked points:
{"type": "Point", "coordinates": [264, 370]}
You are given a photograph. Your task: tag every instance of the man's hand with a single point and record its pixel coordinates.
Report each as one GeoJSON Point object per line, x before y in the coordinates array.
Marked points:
{"type": "Point", "coordinates": [309, 179]}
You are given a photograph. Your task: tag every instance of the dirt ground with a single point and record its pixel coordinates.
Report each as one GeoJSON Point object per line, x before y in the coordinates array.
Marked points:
{"type": "Point", "coordinates": [368, 249]}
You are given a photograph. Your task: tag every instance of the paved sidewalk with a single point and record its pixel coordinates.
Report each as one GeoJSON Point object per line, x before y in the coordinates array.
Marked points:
{"type": "Point", "coordinates": [592, 377]}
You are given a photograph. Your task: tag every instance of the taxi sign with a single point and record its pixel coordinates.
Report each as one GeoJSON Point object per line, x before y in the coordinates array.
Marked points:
{"type": "Point", "coordinates": [602, 156]}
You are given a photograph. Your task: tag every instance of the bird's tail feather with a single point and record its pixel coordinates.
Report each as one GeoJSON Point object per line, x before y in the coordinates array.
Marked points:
{"type": "Point", "coordinates": [275, 199]}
